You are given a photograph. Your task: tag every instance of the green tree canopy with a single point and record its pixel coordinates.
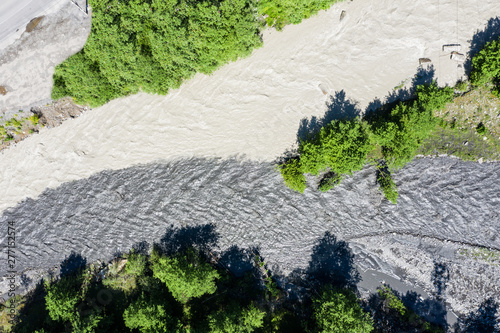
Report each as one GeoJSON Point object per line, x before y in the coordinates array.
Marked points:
{"type": "Point", "coordinates": [153, 45]}
{"type": "Point", "coordinates": [341, 146]}
{"type": "Point", "coordinates": [186, 275]}
{"type": "Point", "coordinates": [149, 315]}
{"type": "Point", "coordinates": [338, 311]}
{"type": "Point", "coordinates": [235, 319]}
{"type": "Point", "coordinates": [486, 66]}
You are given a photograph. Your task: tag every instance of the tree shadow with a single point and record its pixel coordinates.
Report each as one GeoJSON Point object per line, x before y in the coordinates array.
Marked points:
{"type": "Point", "coordinates": [238, 261]}
{"type": "Point", "coordinates": [432, 310]}
{"type": "Point", "coordinates": [424, 75]}
{"type": "Point", "coordinates": [480, 39]}
{"type": "Point", "coordinates": [175, 240]}
{"type": "Point", "coordinates": [339, 107]}
{"type": "Point", "coordinates": [141, 248]}
{"type": "Point", "coordinates": [332, 263]}
{"type": "Point", "coordinates": [484, 320]}
{"type": "Point", "coordinates": [388, 317]}
{"type": "Point", "coordinates": [440, 277]}
{"type": "Point", "coordinates": [72, 264]}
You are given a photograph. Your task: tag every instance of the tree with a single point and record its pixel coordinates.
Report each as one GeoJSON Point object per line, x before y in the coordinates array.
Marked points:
{"type": "Point", "coordinates": [148, 315]}
{"type": "Point", "coordinates": [339, 311]}
{"type": "Point", "coordinates": [486, 66]}
{"type": "Point", "coordinates": [186, 275]}
{"type": "Point", "coordinates": [293, 175]}
{"type": "Point", "coordinates": [401, 132]}
{"type": "Point", "coordinates": [153, 45]}
{"type": "Point", "coordinates": [235, 319]}
{"type": "Point", "coordinates": [62, 298]}
{"type": "Point", "coordinates": [341, 146]}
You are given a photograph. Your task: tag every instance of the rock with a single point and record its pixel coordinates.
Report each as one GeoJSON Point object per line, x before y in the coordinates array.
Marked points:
{"type": "Point", "coordinates": [485, 138]}
{"type": "Point", "coordinates": [424, 60]}
{"type": "Point", "coordinates": [480, 160]}
{"type": "Point", "coordinates": [342, 15]}
{"type": "Point", "coordinates": [3, 90]}
{"type": "Point", "coordinates": [466, 143]}
{"type": "Point", "coordinates": [33, 23]}
{"type": "Point", "coordinates": [53, 115]}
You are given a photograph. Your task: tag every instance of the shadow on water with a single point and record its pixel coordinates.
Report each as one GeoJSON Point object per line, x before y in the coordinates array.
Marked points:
{"type": "Point", "coordinates": [480, 39]}
{"type": "Point", "coordinates": [71, 264]}
{"type": "Point", "coordinates": [175, 240]}
{"type": "Point", "coordinates": [424, 75]}
{"type": "Point", "coordinates": [331, 264]}
{"type": "Point", "coordinates": [440, 277]}
{"type": "Point", "coordinates": [339, 107]}
{"type": "Point", "coordinates": [484, 320]}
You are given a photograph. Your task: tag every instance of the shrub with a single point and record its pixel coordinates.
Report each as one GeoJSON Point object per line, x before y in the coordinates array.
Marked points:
{"type": "Point", "coordinates": [391, 301]}
{"type": "Point", "coordinates": [136, 264]}
{"type": "Point", "coordinates": [402, 132]}
{"type": "Point", "coordinates": [185, 275]}
{"type": "Point", "coordinates": [341, 147]}
{"type": "Point", "coordinates": [293, 175]}
{"type": "Point", "coordinates": [235, 319]}
{"type": "Point", "coordinates": [153, 46]}
{"type": "Point", "coordinates": [339, 311]}
{"type": "Point", "coordinates": [481, 129]}
{"type": "Point", "coordinates": [329, 182]}
{"type": "Point", "coordinates": [387, 185]}
{"type": "Point", "coordinates": [282, 12]}
{"type": "Point", "coordinates": [486, 66]}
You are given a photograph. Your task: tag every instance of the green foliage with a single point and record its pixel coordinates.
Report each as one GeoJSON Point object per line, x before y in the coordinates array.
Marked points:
{"type": "Point", "coordinates": [486, 66]}
{"type": "Point", "coordinates": [136, 264]}
{"type": "Point", "coordinates": [391, 301]}
{"type": "Point", "coordinates": [329, 182]}
{"type": "Point", "coordinates": [234, 319]}
{"type": "Point", "coordinates": [62, 298]}
{"type": "Point", "coordinates": [430, 97]}
{"type": "Point", "coordinates": [387, 185]}
{"type": "Point", "coordinates": [481, 129]}
{"type": "Point", "coordinates": [86, 324]}
{"type": "Point", "coordinates": [339, 311]}
{"type": "Point", "coordinates": [402, 132]}
{"type": "Point", "coordinates": [185, 275]}
{"type": "Point", "coordinates": [148, 315]}
{"type": "Point", "coordinates": [153, 45]}
{"type": "Point", "coordinates": [341, 147]}
{"type": "Point", "coordinates": [34, 119]}
{"type": "Point", "coordinates": [293, 175]}
{"type": "Point", "coordinates": [282, 12]}
{"type": "Point", "coordinates": [462, 86]}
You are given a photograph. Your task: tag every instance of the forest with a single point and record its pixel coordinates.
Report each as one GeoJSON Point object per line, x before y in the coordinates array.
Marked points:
{"type": "Point", "coordinates": [154, 45]}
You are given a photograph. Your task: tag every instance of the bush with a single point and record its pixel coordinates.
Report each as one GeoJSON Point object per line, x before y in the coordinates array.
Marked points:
{"type": "Point", "coordinates": [329, 181]}
{"type": "Point", "coordinates": [391, 301]}
{"type": "Point", "coordinates": [339, 311]}
{"type": "Point", "coordinates": [282, 12]}
{"type": "Point", "coordinates": [486, 66]}
{"type": "Point", "coordinates": [235, 319]}
{"type": "Point", "coordinates": [136, 264]}
{"type": "Point", "coordinates": [481, 129]}
{"type": "Point", "coordinates": [293, 175]}
{"type": "Point", "coordinates": [185, 275]}
{"type": "Point", "coordinates": [341, 147]}
{"type": "Point", "coordinates": [387, 185]}
{"type": "Point", "coordinates": [402, 132]}
{"type": "Point", "coordinates": [153, 46]}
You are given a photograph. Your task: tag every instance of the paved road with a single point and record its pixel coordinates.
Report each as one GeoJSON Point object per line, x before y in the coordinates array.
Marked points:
{"type": "Point", "coordinates": [15, 14]}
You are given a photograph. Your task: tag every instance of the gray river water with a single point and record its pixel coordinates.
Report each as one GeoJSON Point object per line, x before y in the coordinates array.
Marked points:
{"type": "Point", "coordinates": [249, 206]}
